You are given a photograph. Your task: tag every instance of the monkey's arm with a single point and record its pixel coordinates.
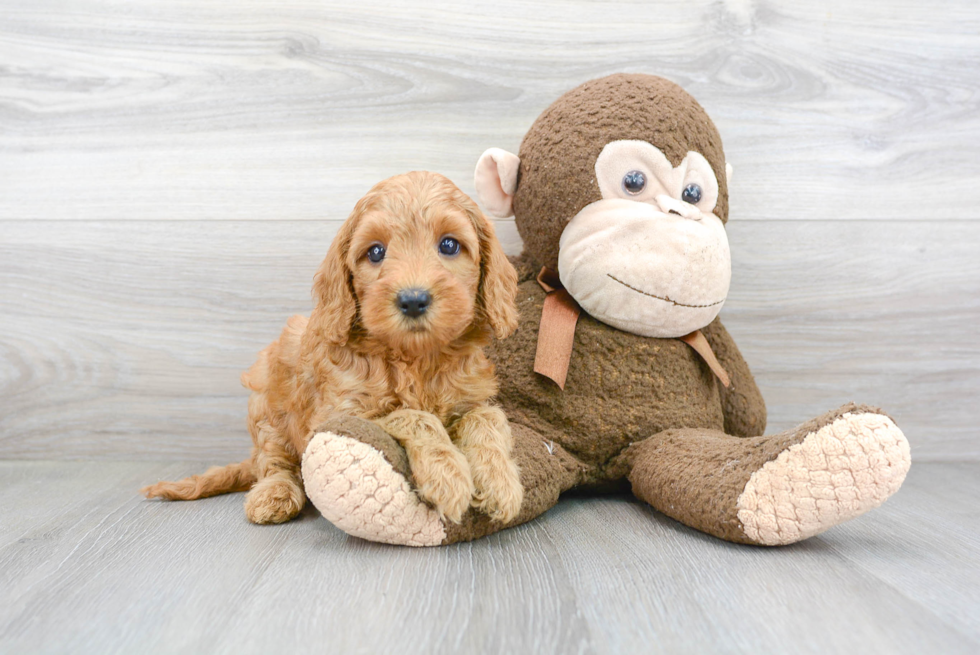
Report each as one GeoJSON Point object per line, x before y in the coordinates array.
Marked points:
{"type": "Point", "coordinates": [745, 410]}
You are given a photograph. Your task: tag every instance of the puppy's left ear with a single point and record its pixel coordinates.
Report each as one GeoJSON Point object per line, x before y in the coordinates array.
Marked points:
{"type": "Point", "coordinates": [334, 308]}
{"type": "Point", "coordinates": [498, 281]}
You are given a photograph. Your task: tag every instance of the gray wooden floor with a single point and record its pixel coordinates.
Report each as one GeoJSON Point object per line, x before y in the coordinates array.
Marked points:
{"type": "Point", "coordinates": [87, 566]}
{"type": "Point", "coordinates": [172, 171]}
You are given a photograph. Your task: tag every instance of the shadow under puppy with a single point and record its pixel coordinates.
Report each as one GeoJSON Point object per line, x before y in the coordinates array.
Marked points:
{"type": "Point", "coordinates": [407, 297]}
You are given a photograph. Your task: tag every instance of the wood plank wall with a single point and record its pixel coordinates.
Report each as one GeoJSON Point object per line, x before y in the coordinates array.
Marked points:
{"type": "Point", "coordinates": [172, 171]}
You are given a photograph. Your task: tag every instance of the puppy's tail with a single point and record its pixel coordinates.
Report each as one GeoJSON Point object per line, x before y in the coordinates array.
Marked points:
{"type": "Point", "coordinates": [213, 482]}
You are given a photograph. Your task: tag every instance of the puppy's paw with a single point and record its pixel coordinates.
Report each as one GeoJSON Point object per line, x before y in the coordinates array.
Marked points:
{"type": "Point", "coordinates": [274, 500]}
{"type": "Point", "coordinates": [499, 493]}
{"type": "Point", "coordinates": [442, 478]}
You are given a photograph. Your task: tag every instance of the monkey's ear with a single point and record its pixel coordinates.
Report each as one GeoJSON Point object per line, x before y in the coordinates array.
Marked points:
{"type": "Point", "coordinates": [496, 181]}
{"type": "Point", "coordinates": [498, 282]}
{"type": "Point", "coordinates": [333, 291]}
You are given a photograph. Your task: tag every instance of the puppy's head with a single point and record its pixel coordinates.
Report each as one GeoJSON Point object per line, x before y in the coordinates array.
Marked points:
{"type": "Point", "coordinates": [416, 266]}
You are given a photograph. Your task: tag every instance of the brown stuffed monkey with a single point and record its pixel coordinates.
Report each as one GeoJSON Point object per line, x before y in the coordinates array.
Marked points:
{"type": "Point", "coordinates": [620, 375]}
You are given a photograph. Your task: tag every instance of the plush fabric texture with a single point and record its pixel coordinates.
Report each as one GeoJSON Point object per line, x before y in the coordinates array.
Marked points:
{"type": "Point", "coordinates": [662, 179]}
{"type": "Point", "coordinates": [700, 477]}
{"type": "Point", "coordinates": [636, 412]}
{"type": "Point", "coordinates": [359, 478]}
{"type": "Point", "coordinates": [835, 474]}
{"type": "Point", "coordinates": [558, 154]}
{"type": "Point", "coordinates": [620, 387]}
{"type": "Point", "coordinates": [699, 343]}
{"type": "Point", "coordinates": [495, 180]}
{"type": "Point", "coordinates": [358, 490]}
{"type": "Point", "coordinates": [546, 471]}
{"type": "Point", "coordinates": [640, 269]}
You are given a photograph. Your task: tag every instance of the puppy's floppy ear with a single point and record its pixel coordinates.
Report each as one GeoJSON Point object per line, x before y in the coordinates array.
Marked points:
{"type": "Point", "coordinates": [333, 289]}
{"type": "Point", "coordinates": [498, 280]}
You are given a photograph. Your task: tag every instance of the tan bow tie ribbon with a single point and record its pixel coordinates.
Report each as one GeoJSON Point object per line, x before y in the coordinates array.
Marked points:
{"type": "Point", "coordinates": [556, 334]}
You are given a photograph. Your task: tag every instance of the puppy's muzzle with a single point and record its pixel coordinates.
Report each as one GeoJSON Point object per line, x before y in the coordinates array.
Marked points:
{"type": "Point", "coordinates": [413, 302]}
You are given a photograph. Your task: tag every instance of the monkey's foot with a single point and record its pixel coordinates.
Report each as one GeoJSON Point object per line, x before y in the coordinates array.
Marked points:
{"type": "Point", "coordinates": [356, 487]}
{"type": "Point", "coordinates": [835, 473]}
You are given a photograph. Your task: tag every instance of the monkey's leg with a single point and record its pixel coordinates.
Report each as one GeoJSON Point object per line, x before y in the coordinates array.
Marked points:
{"type": "Point", "coordinates": [359, 478]}
{"type": "Point", "coordinates": [777, 489]}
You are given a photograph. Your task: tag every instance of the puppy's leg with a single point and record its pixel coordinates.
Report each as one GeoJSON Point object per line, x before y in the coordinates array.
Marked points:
{"type": "Point", "coordinates": [483, 436]}
{"type": "Point", "coordinates": [278, 494]}
{"type": "Point", "coordinates": [442, 474]}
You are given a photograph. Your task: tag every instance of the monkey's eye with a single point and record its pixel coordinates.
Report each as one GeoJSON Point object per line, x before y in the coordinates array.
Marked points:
{"type": "Point", "coordinates": [634, 182]}
{"type": "Point", "coordinates": [691, 194]}
{"type": "Point", "coordinates": [449, 246]}
{"type": "Point", "coordinates": [376, 253]}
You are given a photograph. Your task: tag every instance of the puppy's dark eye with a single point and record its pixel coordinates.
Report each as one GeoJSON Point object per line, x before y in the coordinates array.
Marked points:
{"type": "Point", "coordinates": [376, 253]}
{"type": "Point", "coordinates": [449, 246]}
{"type": "Point", "coordinates": [634, 182]}
{"type": "Point", "coordinates": [691, 194]}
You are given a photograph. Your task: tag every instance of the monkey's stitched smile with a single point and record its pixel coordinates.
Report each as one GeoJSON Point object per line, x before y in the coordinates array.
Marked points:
{"type": "Point", "coordinates": [664, 298]}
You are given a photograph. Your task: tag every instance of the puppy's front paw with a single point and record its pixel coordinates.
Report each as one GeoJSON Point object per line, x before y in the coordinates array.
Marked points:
{"type": "Point", "coordinates": [442, 477]}
{"type": "Point", "coordinates": [499, 493]}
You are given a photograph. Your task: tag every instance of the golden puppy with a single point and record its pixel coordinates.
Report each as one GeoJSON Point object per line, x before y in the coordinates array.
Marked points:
{"type": "Point", "coordinates": [407, 296]}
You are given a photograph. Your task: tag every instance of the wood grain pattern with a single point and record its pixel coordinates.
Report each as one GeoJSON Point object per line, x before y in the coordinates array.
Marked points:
{"type": "Point", "coordinates": [171, 172]}
{"type": "Point", "coordinates": [125, 340]}
{"type": "Point", "coordinates": [89, 566]}
{"type": "Point", "coordinates": [177, 109]}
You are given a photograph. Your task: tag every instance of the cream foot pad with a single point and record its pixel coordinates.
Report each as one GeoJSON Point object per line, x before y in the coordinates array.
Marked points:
{"type": "Point", "coordinates": [835, 474]}
{"type": "Point", "coordinates": [356, 489]}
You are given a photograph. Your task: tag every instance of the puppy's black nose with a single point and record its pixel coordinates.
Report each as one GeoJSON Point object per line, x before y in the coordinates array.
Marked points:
{"type": "Point", "coordinates": [413, 302]}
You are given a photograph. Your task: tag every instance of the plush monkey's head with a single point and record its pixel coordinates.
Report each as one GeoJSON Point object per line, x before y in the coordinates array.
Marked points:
{"type": "Point", "coordinates": [621, 186]}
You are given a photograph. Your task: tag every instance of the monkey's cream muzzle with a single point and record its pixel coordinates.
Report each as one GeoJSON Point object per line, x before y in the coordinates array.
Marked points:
{"type": "Point", "coordinates": [641, 269]}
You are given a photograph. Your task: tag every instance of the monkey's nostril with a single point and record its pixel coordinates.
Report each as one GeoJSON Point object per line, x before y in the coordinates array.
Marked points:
{"type": "Point", "coordinates": [413, 302]}
{"type": "Point", "coordinates": [674, 211]}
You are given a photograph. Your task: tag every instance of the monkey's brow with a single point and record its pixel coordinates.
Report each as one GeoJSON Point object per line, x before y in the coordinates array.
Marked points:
{"type": "Point", "coordinates": [664, 298]}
